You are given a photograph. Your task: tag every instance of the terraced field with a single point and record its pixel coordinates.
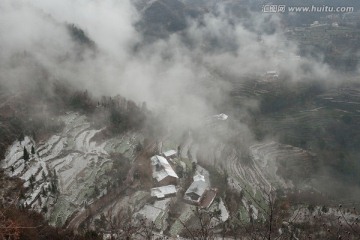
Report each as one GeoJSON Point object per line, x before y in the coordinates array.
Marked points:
{"type": "Point", "coordinates": [321, 119]}
{"type": "Point", "coordinates": [301, 134]}
{"type": "Point", "coordinates": [69, 169]}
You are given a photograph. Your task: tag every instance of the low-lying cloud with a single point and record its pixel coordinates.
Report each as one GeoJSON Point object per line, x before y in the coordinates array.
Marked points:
{"type": "Point", "coordinates": [174, 74]}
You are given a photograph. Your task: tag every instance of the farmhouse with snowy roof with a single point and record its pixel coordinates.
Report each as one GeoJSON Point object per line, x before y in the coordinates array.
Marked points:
{"type": "Point", "coordinates": [163, 192]}
{"type": "Point", "coordinates": [199, 192]}
{"type": "Point", "coordinates": [162, 171]}
{"type": "Point", "coordinates": [169, 154]}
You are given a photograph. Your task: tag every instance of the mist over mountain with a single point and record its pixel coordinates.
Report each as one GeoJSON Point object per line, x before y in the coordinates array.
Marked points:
{"type": "Point", "coordinates": [265, 101]}
{"type": "Point", "coordinates": [201, 52]}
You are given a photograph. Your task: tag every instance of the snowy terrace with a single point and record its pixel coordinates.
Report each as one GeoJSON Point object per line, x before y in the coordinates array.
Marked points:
{"type": "Point", "coordinates": [73, 159]}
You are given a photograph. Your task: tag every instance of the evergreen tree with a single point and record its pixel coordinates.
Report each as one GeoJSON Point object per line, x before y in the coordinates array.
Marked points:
{"type": "Point", "coordinates": [138, 147]}
{"type": "Point", "coordinates": [180, 171]}
{"type": "Point", "coordinates": [189, 155]}
{"type": "Point", "coordinates": [194, 167]}
{"type": "Point", "coordinates": [26, 155]}
{"type": "Point", "coordinates": [22, 195]}
{"type": "Point", "coordinates": [53, 187]}
{"type": "Point", "coordinates": [44, 209]}
{"type": "Point", "coordinates": [32, 179]}
{"type": "Point", "coordinates": [96, 191]}
{"type": "Point", "coordinates": [21, 137]}
{"type": "Point", "coordinates": [12, 169]}
{"type": "Point", "coordinates": [32, 150]}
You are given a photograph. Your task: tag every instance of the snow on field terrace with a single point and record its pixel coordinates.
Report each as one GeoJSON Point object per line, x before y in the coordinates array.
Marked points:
{"type": "Point", "coordinates": [71, 160]}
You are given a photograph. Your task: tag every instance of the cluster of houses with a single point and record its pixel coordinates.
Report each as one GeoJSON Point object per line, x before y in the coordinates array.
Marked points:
{"type": "Point", "coordinates": [166, 180]}
{"type": "Point", "coordinates": [167, 184]}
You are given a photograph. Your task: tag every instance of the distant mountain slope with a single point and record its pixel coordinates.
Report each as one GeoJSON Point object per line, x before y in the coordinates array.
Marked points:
{"type": "Point", "coordinates": [161, 17]}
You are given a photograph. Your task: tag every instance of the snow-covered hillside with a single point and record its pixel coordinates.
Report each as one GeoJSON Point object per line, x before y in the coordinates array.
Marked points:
{"type": "Point", "coordinates": [69, 169]}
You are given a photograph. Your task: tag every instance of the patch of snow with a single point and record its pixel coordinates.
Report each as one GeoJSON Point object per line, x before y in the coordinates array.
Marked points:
{"type": "Point", "coordinates": [32, 170]}
{"type": "Point", "coordinates": [221, 116]}
{"type": "Point", "coordinates": [224, 212]}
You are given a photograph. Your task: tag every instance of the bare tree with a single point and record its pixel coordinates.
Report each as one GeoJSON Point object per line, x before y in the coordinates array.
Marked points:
{"type": "Point", "coordinates": [204, 225]}
{"type": "Point", "coordinates": [123, 225]}
{"type": "Point", "coordinates": [275, 223]}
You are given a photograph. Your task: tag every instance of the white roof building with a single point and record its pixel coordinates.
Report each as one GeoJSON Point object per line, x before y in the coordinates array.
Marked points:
{"type": "Point", "coordinates": [196, 189]}
{"type": "Point", "coordinates": [170, 153]}
{"type": "Point", "coordinates": [199, 177]}
{"type": "Point", "coordinates": [164, 191]}
{"type": "Point", "coordinates": [161, 168]}
{"type": "Point", "coordinates": [156, 213]}
{"type": "Point", "coordinates": [272, 73]}
{"type": "Point", "coordinates": [221, 116]}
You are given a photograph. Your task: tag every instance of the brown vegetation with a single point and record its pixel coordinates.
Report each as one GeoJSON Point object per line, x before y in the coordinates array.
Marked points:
{"type": "Point", "coordinates": [16, 224]}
